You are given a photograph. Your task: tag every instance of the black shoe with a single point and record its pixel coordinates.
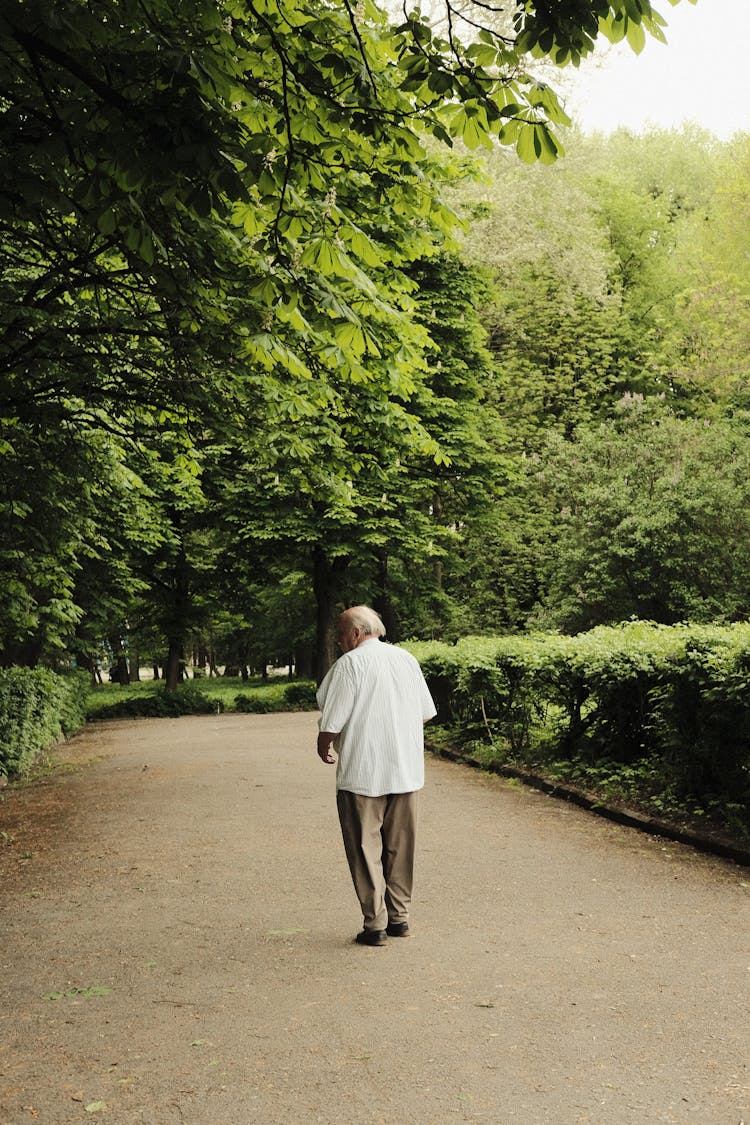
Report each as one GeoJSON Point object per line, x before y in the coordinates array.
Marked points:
{"type": "Point", "coordinates": [397, 929]}
{"type": "Point", "coordinates": [371, 937]}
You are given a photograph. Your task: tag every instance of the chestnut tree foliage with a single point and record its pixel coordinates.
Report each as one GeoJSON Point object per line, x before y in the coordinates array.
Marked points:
{"type": "Point", "coordinates": [208, 216]}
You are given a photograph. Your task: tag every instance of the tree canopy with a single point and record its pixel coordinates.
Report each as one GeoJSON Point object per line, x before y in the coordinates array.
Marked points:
{"type": "Point", "coordinates": [228, 255]}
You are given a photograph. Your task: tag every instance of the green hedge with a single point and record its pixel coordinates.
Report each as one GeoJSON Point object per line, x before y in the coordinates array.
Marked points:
{"type": "Point", "coordinates": [37, 708]}
{"type": "Point", "coordinates": [667, 705]}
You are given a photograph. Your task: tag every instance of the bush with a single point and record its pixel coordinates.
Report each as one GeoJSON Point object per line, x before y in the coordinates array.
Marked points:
{"type": "Point", "coordinates": [255, 704]}
{"type": "Point", "coordinates": [274, 697]}
{"type": "Point", "coordinates": [160, 704]}
{"type": "Point", "coordinates": [37, 708]}
{"type": "Point", "coordinates": [301, 696]}
{"type": "Point", "coordinates": [666, 707]}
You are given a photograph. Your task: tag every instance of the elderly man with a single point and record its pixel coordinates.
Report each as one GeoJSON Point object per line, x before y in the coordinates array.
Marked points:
{"type": "Point", "coordinates": [374, 702]}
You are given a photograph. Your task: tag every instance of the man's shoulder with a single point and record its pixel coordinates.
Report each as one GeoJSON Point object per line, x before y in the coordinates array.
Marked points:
{"type": "Point", "coordinates": [381, 651]}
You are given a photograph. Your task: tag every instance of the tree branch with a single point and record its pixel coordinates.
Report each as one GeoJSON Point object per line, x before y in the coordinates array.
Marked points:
{"type": "Point", "coordinates": [34, 45]}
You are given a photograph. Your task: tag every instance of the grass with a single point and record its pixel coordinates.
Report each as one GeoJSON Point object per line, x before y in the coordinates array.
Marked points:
{"type": "Point", "coordinates": [276, 694]}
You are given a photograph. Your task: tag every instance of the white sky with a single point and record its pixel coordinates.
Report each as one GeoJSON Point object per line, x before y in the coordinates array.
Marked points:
{"type": "Point", "coordinates": [702, 75]}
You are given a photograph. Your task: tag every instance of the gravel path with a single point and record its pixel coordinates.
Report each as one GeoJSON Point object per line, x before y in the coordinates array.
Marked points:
{"type": "Point", "coordinates": [177, 925]}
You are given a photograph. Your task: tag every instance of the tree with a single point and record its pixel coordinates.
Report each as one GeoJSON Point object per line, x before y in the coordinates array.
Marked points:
{"type": "Point", "coordinates": [711, 327]}
{"type": "Point", "coordinates": [462, 413]}
{"type": "Point", "coordinates": [590, 261]}
{"type": "Point", "coordinates": [144, 143]}
{"type": "Point", "coordinates": [653, 520]}
{"type": "Point", "coordinates": [370, 496]}
{"type": "Point", "coordinates": [71, 509]}
{"type": "Point", "coordinates": [206, 215]}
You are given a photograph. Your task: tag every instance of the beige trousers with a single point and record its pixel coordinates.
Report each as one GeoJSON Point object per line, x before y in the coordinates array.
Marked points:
{"type": "Point", "coordinates": [379, 840]}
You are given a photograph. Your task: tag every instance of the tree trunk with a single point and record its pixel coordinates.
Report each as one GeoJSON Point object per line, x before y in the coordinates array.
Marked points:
{"type": "Point", "coordinates": [88, 664]}
{"type": "Point", "coordinates": [327, 577]}
{"type": "Point", "coordinates": [177, 623]}
{"type": "Point", "coordinates": [382, 603]}
{"type": "Point", "coordinates": [173, 664]}
{"type": "Point", "coordinates": [437, 569]}
{"type": "Point", "coordinates": [119, 672]}
{"type": "Point", "coordinates": [303, 663]}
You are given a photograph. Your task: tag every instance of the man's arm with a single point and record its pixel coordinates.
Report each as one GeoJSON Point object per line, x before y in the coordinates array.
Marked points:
{"type": "Point", "coordinates": [325, 741]}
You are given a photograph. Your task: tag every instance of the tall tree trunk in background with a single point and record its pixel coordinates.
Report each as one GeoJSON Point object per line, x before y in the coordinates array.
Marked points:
{"type": "Point", "coordinates": [327, 578]}
{"type": "Point", "coordinates": [177, 623]}
{"type": "Point", "coordinates": [437, 569]}
{"type": "Point", "coordinates": [172, 665]}
{"type": "Point", "coordinates": [119, 672]}
{"type": "Point", "coordinates": [382, 602]}
{"type": "Point", "coordinates": [303, 662]}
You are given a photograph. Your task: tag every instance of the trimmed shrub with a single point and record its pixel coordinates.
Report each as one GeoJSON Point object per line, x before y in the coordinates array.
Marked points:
{"type": "Point", "coordinates": [255, 704]}
{"type": "Point", "coordinates": [668, 706]}
{"type": "Point", "coordinates": [275, 697]}
{"type": "Point", "coordinates": [38, 707]}
{"type": "Point", "coordinates": [301, 696]}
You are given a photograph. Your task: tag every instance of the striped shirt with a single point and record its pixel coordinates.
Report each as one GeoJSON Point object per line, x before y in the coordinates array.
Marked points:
{"type": "Point", "coordinates": [376, 701]}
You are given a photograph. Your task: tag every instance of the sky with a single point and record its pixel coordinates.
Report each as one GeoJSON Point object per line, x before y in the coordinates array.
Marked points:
{"type": "Point", "coordinates": [702, 75]}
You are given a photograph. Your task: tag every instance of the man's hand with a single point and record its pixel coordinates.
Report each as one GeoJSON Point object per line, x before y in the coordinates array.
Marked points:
{"type": "Point", "coordinates": [325, 741]}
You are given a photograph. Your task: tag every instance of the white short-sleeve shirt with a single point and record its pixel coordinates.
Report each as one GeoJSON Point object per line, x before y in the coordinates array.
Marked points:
{"type": "Point", "coordinates": [375, 700]}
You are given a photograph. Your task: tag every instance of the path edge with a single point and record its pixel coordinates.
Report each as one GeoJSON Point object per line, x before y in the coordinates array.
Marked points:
{"type": "Point", "coordinates": [630, 818]}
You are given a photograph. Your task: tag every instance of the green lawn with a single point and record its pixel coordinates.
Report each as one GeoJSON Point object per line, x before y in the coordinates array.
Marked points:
{"type": "Point", "coordinates": [275, 694]}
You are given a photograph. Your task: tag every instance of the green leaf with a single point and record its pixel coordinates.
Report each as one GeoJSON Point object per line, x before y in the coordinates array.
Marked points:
{"type": "Point", "coordinates": [319, 255]}
{"type": "Point", "coordinates": [526, 145]}
{"type": "Point", "coordinates": [636, 36]}
{"type": "Point", "coordinates": [351, 337]}
{"type": "Point", "coordinates": [545, 145]}
{"type": "Point", "coordinates": [107, 221]}
{"type": "Point", "coordinates": [146, 249]}
{"type": "Point", "coordinates": [361, 246]}
{"type": "Point", "coordinates": [484, 55]}
{"type": "Point", "coordinates": [470, 123]}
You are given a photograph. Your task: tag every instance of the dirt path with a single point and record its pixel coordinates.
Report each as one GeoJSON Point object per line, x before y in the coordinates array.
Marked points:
{"type": "Point", "coordinates": [177, 924]}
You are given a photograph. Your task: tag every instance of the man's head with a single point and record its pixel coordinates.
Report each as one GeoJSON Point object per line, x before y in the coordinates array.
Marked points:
{"type": "Point", "coordinates": [358, 624]}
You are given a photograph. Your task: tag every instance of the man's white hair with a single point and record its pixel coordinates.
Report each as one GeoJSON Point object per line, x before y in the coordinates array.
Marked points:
{"type": "Point", "coordinates": [365, 619]}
